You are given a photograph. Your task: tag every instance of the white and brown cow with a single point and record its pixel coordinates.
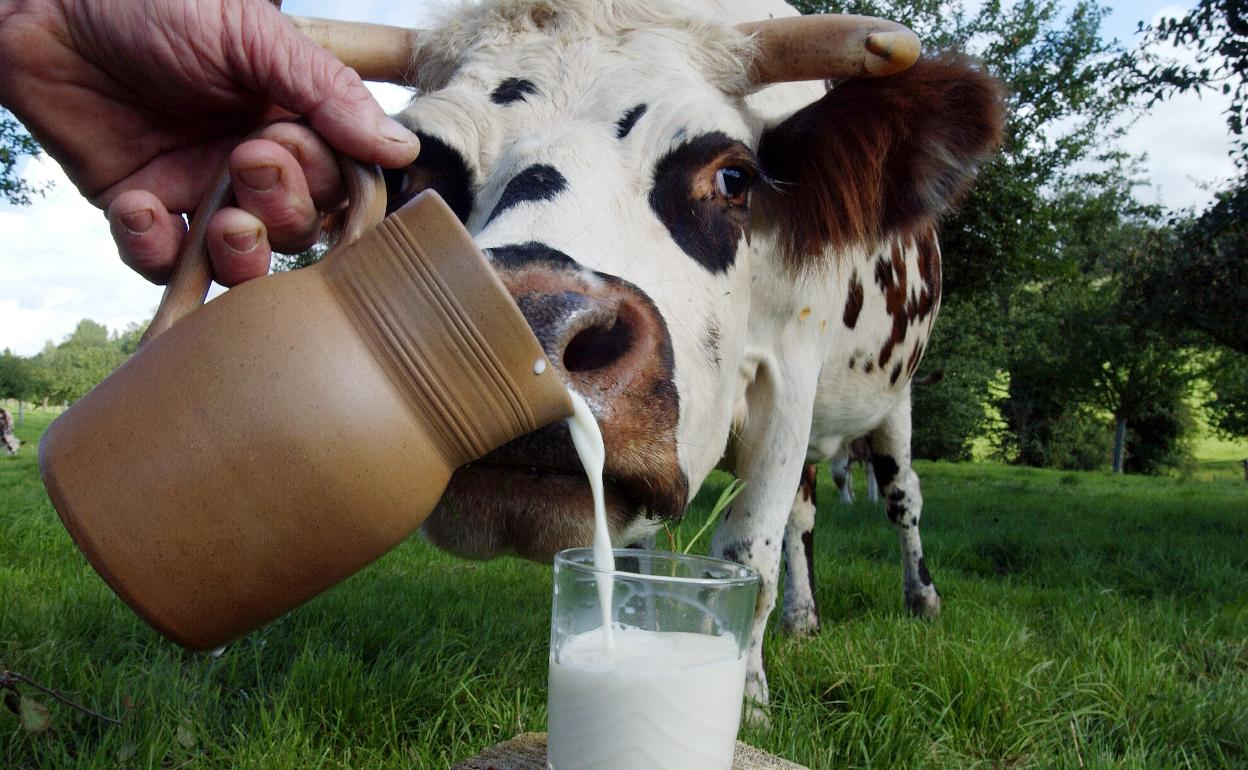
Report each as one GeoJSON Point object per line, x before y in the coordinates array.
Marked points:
{"type": "Point", "coordinates": [703, 261]}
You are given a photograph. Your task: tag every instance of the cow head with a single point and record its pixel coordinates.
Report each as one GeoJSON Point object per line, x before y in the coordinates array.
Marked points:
{"type": "Point", "coordinates": [605, 156]}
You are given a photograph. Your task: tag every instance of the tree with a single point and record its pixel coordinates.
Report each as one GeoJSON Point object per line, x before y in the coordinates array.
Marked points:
{"type": "Point", "coordinates": [75, 366]}
{"type": "Point", "coordinates": [16, 376]}
{"type": "Point", "coordinates": [285, 262]}
{"type": "Point", "coordinates": [1227, 375]}
{"type": "Point", "coordinates": [15, 144]}
{"type": "Point", "coordinates": [949, 415]}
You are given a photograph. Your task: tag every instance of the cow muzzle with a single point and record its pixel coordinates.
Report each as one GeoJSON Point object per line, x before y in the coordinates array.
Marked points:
{"type": "Point", "coordinates": [607, 340]}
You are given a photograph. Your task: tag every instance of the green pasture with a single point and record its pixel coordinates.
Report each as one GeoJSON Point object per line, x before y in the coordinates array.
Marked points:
{"type": "Point", "coordinates": [1089, 622]}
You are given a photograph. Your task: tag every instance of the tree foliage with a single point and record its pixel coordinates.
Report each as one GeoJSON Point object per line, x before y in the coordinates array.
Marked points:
{"type": "Point", "coordinates": [15, 144]}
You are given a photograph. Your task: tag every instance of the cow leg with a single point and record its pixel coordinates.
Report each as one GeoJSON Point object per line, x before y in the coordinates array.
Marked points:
{"type": "Point", "coordinates": [842, 476]}
{"type": "Point", "coordinates": [900, 485]}
{"type": "Point", "coordinates": [873, 487]}
{"type": "Point", "coordinates": [770, 453]}
{"type": "Point", "coordinates": [801, 614]}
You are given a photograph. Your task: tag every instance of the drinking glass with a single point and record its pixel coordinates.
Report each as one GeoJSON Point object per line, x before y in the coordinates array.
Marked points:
{"type": "Point", "coordinates": [665, 692]}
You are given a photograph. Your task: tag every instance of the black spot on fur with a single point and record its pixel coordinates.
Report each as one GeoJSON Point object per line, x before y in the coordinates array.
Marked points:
{"type": "Point", "coordinates": [625, 124]}
{"type": "Point", "coordinates": [706, 226]}
{"type": "Point", "coordinates": [853, 303]}
{"type": "Point", "coordinates": [439, 167]}
{"type": "Point", "coordinates": [512, 90]}
{"type": "Point", "coordinates": [523, 254]}
{"type": "Point", "coordinates": [885, 469]}
{"type": "Point", "coordinates": [896, 512]}
{"type": "Point", "coordinates": [538, 182]}
{"type": "Point", "coordinates": [892, 377]}
{"type": "Point", "coordinates": [924, 576]}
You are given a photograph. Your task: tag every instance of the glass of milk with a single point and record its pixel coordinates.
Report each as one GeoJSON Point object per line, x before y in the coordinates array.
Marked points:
{"type": "Point", "coordinates": [662, 689]}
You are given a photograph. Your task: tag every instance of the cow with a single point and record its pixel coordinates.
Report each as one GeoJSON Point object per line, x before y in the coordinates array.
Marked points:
{"type": "Point", "coordinates": [712, 265]}
{"type": "Point", "coordinates": [8, 438]}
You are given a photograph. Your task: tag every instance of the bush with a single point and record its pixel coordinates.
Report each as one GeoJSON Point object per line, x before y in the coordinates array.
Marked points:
{"type": "Point", "coordinates": [1079, 441]}
{"type": "Point", "coordinates": [1158, 441]}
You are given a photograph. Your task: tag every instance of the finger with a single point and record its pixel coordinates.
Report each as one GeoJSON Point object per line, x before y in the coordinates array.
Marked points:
{"type": "Point", "coordinates": [269, 184]}
{"type": "Point", "coordinates": [238, 247]}
{"type": "Point", "coordinates": [320, 167]}
{"type": "Point", "coordinates": [304, 78]}
{"type": "Point", "coordinates": [147, 235]}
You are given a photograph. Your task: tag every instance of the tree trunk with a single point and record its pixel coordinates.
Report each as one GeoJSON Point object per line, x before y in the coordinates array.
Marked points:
{"type": "Point", "coordinates": [1120, 443]}
{"type": "Point", "coordinates": [21, 411]}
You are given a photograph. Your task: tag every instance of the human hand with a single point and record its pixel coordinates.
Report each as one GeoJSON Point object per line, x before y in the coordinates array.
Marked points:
{"type": "Point", "coordinates": [141, 103]}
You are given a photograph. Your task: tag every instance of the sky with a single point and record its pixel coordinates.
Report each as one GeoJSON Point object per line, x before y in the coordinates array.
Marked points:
{"type": "Point", "coordinates": [58, 263]}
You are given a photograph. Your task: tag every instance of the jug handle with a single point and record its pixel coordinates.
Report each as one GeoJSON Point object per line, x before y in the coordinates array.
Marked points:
{"type": "Point", "coordinates": [192, 272]}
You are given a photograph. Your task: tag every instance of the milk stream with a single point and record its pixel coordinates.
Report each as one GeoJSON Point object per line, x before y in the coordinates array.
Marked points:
{"type": "Point", "coordinates": [587, 439]}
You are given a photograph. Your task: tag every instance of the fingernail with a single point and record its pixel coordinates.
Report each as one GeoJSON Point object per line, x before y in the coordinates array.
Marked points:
{"type": "Point", "coordinates": [242, 242]}
{"type": "Point", "coordinates": [259, 178]}
{"type": "Point", "coordinates": [138, 222]}
{"type": "Point", "coordinates": [394, 131]}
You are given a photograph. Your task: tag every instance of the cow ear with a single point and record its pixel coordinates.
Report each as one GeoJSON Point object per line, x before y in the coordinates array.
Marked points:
{"type": "Point", "coordinates": [879, 157]}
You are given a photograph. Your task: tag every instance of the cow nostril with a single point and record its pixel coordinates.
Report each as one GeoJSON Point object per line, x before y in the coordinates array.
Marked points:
{"type": "Point", "coordinates": [598, 346]}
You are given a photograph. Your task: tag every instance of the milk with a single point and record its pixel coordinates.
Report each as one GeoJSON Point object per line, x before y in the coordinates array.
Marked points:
{"type": "Point", "coordinates": [654, 701]}
{"type": "Point", "coordinates": [624, 698]}
{"type": "Point", "coordinates": [588, 442]}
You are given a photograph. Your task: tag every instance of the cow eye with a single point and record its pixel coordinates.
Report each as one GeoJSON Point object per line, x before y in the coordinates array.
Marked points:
{"type": "Point", "coordinates": [733, 182]}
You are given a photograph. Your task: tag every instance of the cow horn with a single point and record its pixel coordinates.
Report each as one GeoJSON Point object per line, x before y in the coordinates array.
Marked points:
{"type": "Point", "coordinates": [825, 47]}
{"type": "Point", "coordinates": [829, 47]}
{"type": "Point", "coordinates": [376, 51]}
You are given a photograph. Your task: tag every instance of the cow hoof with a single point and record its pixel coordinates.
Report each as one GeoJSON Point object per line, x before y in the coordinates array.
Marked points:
{"type": "Point", "coordinates": [756, 715]}
{"type": "Point", "coordinates": [924, 605]}
{"type": "Point", "coordinates": [807, 625]}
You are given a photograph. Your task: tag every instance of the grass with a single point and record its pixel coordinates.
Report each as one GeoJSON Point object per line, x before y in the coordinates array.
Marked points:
{"type": "Point", "coordinates": [1089, 622]}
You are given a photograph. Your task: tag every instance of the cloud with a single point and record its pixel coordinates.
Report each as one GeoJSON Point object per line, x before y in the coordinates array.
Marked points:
{"type": "Point", "coordinates": [60, 266]}
{"type": "Point", "coordinates": [1185, 138]}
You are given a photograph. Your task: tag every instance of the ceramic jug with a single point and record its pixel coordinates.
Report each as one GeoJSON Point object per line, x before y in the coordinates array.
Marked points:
{"type": "Point", "coordinates": [273, 442]}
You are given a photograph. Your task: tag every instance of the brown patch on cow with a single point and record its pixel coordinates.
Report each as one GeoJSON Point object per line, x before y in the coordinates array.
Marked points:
{"type": "Point", "coordinates": [807, 485]}
{"type": "Point", "coordinates": [869, 366]}
{"type": "Point", "coordinates": [823, 326]}
{"type": "Point", "coordinates": [879, 156]}
{"type": "Point", "coordinates": [916, 356]}
{"type": "Point", "coordinates": [853, 302]}
{"type": "Point", "coordinates": [892, 377]}
{"type": "Point", "coordinates": [929, 271]}
{"type": "Point", "coordinates": [802, 316]}
{"type": "Point", "coordinates": [890, 276]}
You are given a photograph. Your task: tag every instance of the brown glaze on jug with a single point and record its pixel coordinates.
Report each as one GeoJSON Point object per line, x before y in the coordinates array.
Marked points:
{"type": "Point", "coordinates": [273, 442]}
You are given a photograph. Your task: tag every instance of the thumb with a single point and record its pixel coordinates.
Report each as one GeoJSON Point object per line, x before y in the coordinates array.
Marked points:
{"type": "Point", "coordinates": [298, 75]}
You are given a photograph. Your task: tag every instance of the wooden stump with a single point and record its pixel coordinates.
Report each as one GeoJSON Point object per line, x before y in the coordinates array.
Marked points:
{"type": "Point", "coordinates": [528, 752]}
